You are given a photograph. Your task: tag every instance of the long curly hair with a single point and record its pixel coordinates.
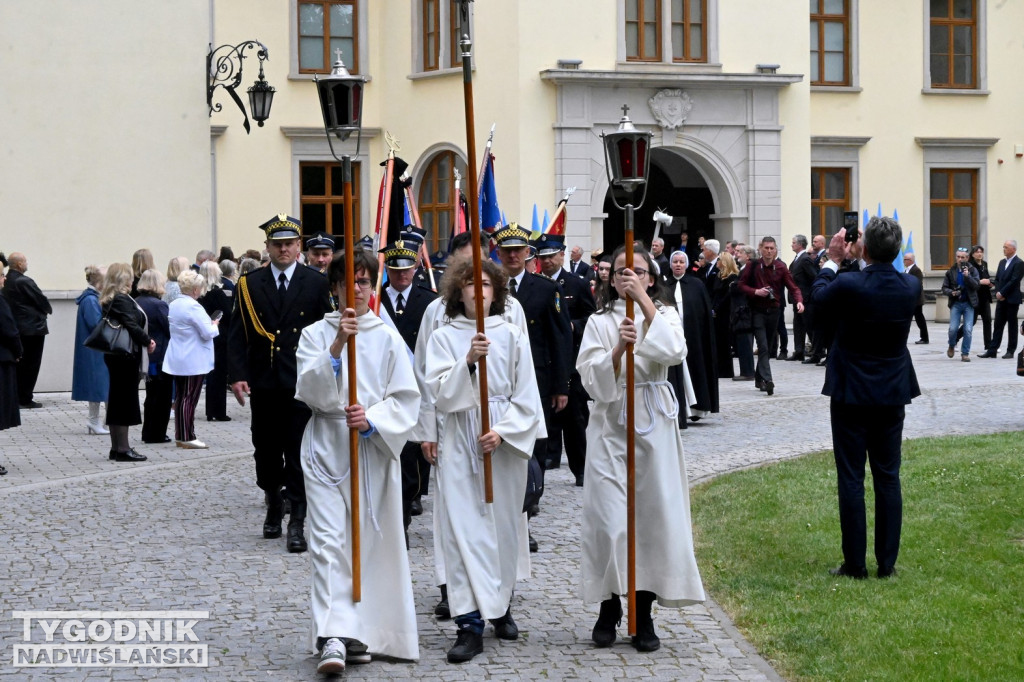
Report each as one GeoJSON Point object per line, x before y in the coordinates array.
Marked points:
{"type": "Point", "coordinates": [461, 275]}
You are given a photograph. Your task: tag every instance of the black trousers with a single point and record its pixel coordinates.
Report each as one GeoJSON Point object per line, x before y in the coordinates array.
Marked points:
{"type": "Point", "coordinates": [801, 325]}
{"type": "Point", "coordinates": [570, 426]}
{"type": "Point", "coordinates": [217, 382]}
{"type": "Point", "coordinates": [766, 331]}
{"type": "Point", "coordinates": [278, 420]}
{"type": "Point", "coordinates": [922, 325]}
{"type": "Point", "coordinates": [783, 336]}
{"type": "Point", "coordinates": [415, 476]}
{"type": "Point", "coordinates": [157, 408]}
{"type": "Point", "coordinates": [1006, 316]}
{"type": "Point", "coordinates": [27, 369]}
{"type": "Point", "coordinates": [871, 433]}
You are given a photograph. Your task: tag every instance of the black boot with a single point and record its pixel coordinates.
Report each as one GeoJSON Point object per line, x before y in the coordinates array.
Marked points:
{"type": "Point", "coordinates": [296, 541]}
{"type": "Point", "coordinates": [645, 639]}
{"type": "Point", "coordinates": [441, 610]}
{"type": "Point", "coordinates": [467, 645]}
{"type": "Point", "coordinates": [275, 510]}
{"type": "Point", "coordinates": [505, 627]}
{"type": "Point", "coordinates": [609, 618]}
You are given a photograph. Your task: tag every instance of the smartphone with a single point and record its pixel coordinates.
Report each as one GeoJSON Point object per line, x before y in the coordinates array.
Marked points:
{"type": "Point", "coordinates": [217, 314]}
{"type": "Point", "coordinates": [850, 221]}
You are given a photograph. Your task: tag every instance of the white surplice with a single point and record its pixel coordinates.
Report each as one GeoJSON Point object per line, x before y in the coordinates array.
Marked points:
{"type": "Point", "coordinates": [428, 421]}
{"type": "Point", "coordinates": [481, 543]}
{"type": "Point", "coordinates": [665, 563]}
{"type": "Point", "coordinates": [385, 618]}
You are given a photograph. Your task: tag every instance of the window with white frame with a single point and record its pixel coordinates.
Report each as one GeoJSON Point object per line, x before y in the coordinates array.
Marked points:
{"type": "Point", "coordinates": [668, 31]}
{"type": "Point", "coordinates": [437, 30]}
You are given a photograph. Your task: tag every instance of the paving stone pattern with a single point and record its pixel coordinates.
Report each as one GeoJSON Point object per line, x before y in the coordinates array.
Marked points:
{"type": "Point", "coordinates": [183, 531]}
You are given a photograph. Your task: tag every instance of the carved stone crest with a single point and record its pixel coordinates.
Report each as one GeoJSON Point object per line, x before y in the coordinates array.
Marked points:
{"type": "Point", "coordinates": [670, 108]}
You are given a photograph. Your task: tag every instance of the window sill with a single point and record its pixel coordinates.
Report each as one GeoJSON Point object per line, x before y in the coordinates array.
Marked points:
{"type": "Point", "coordinates": [439, 73]}
{"type": "Point", "coordinates": [295, 76]}
{"type": "Point", "coordinates": [669, 67]}
{"type": "Point", "coordinates": [837, 88]}
{"type": "Point", "coordinates": [956, 91]}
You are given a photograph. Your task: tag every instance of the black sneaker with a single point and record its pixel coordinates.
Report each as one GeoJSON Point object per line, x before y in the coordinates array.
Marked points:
{"type": "Point", "coordinates": [467, 645]}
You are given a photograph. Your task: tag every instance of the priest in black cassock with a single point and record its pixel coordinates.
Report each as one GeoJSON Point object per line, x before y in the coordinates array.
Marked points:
{"type": "Point", "coordinates": [694, 306]}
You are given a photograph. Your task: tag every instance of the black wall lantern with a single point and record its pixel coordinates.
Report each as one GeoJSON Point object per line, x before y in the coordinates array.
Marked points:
{"type": "Point", "coordinates": [224, 70]}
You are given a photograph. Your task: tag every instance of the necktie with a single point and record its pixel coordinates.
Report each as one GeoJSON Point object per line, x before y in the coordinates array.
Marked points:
{"type": "Point", "coordinates": [512, 286]}
{"type": "Point", "coordinates": [282, 283]}
{"type": "Point", "coordinates": [399, 305]}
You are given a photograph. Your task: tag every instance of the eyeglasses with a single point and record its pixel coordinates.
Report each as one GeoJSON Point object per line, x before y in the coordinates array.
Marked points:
{"type": "Point", "coordinates": [640, 272]}
{"type": "Point", "coordinates": [363, 283]}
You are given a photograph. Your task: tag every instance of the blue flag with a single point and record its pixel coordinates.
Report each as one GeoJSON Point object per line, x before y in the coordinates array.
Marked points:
{"type": "Point", "coordinates": [490, 214]}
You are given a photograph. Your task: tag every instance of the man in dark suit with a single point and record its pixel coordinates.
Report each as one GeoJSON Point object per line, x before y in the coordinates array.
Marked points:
{"type": "Point", "coordinates": [577, 266]}
{"type": "Point", "coordinates": [659, 256]}
{"type": "Point", "coordinates": [570, 423]}
{"type": "Point", "coordinates": [870, 378]}
{"type": "Point", "coordinates": [30, 307]}
{"type": "Point", "coordinates": [405, 299]}
{"type": "Point", "coordinates": [804, 270]}
{"type": "Point", "coordinates": [547, 324]}
{"type": "Point", "coordinates": [1008, 298]}
{"type": "Point", "coordinates": [272, 306]}
{"type": "Point", "coordinates": [319, 252]}
{"type": "Point", "coordinates": [910, 267]}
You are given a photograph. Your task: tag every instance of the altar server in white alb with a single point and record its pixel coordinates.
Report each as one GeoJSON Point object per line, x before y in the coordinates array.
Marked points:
{"type": "Point", "coordinates": [666, 569]}
{"type": "Point", "coordinates": [481, 542]}
{"type": "Point", "coordinates": [461, 246]}
{"type": "Point", "coordinates": [384, 621]}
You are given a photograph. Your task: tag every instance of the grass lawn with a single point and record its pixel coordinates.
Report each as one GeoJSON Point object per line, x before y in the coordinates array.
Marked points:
{"type": "Point", "coordinates": [765, 539]}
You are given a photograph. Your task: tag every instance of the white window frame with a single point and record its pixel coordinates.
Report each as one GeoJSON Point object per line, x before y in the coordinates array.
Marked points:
{"type": "Point", "coordinates": [362, 33]}
{"type": "Point", "coordinates": [416, 67]}
{"type": "Point", "coordinates": [982, 55]}
{"type": "Point", "coordinates": [711, 26]}
{"type": "Point", "coordinates": [854, 55]}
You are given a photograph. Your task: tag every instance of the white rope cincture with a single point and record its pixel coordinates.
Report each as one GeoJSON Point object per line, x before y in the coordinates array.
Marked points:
{"type": "Point", "coordinates": [471, 437]}
{"type": "Point", "coordinates": [324, 477]}
{"type": "Point", "coordinates": [649, 388]}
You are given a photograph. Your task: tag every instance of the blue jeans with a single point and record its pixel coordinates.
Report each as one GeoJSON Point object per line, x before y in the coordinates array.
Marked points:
{"type": "Point", "coordinates": [961, 309]}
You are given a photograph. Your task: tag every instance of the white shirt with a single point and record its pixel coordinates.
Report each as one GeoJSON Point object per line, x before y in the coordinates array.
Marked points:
{"type": "Point", "coordinates": [288, 272]}
{"type": "Point", "coordinates": [190, 352]}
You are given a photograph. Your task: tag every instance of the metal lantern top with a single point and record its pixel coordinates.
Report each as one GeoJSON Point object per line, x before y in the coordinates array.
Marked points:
{"type": "Point", "coordinates": [341, 100]}
{"type": "Point", "coordinates": [627, 154]}
{"type": "Point", "coordinates": [261, 97]}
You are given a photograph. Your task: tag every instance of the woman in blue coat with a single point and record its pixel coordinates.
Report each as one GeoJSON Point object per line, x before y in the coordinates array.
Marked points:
{"type": "Point", "coordinates": [90, 381]}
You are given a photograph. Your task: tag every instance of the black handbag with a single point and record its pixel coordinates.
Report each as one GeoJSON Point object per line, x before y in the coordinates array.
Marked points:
{"type": "Point", "coordinates": [1020, 364]}
{"type": "Point", "coordinates": [110, 338]}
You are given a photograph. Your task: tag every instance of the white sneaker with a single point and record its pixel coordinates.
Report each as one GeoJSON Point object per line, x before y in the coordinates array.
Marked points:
{"type": "Point", "coordinates": [332, 657]}
{"type": "Point", "coordinates": [192, 444]}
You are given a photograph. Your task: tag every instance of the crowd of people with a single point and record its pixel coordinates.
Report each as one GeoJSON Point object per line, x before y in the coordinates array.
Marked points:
{"type": "Point", "coordinates": [283, 332]}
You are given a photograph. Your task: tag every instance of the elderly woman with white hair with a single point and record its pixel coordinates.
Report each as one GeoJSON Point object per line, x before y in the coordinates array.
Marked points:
{"type": "Point", "coordinates": [189, 356]}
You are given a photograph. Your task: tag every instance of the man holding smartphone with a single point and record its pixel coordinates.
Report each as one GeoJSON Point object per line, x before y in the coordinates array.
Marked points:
{"type": "Point", "coordinates": [961, 286]}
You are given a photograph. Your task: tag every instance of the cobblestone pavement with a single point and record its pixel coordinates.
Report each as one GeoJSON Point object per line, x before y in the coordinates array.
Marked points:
{"type": "Point", "coordinates": [182, 531]}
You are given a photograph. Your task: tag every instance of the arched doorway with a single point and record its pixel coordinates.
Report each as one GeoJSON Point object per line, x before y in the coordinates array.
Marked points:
{"type": "Point", "coordinates": [675, 187]}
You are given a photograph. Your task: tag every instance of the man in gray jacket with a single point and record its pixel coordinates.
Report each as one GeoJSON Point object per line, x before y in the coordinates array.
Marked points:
{"type": "Point", "coordinates": [961, 285]}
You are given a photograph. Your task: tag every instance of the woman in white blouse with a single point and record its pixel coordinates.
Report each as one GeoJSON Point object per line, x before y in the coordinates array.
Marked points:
{"type": "Point", "coordinates": [189, 355]}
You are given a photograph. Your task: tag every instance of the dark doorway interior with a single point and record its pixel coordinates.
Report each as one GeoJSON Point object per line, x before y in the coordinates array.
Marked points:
{"type": "Point", "coordinates": [695, 204]}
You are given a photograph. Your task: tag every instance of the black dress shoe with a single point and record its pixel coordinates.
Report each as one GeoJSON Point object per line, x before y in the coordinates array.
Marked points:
{"type": "Point", "coordinates": [987, 354]}
{"type": "Point", "coordinates": [921, 342]}
{"type": "Point", "coordinates": [758, 384]}
{"type": "Point", "coordinates": [130, 456]}
{"type": "Point", "coordinates": [158, 441]}
{"type": "Point", "coordinates": [416, 507]}
{"type": "Point", "coordinates": [579, 481]}
{"type": "Point", "coordinates": [533, 545]}
{"type": "Point", "coordinates": [783, 355]}
{"type": "Point", "coordinates": [3, 470]}
{"type": "Point", "coordinates": [441, 610]}
{"type": "Point", "coordinates": [505, 627]}
{"type": "Point", "coordinates": [31, 405]}
{"type": "Point", "coordinates": [1009, 354]}
{"type": "Point", "coordinates": [225, 418]}
{"type": "Point", "coordinates": [846, 572]}
{"type": "Point", "coordinates": [769, 387]}
{"type": "Point", "coordinates": [296, 540]}
{"type": "Point", "coordinates": [886, 572]}
{"type": "Point", "coordinates": [743, 378]}
{"type": "Point", "coordinates": [467, 645]}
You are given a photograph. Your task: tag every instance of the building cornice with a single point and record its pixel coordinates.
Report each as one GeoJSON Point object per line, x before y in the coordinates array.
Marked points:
{"type": "Point", "coordinates": [306, 132]}
{"type": "Point", "coordinates": [838, 141]}
{"type": "Point", "coordinates": [663, 79]}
